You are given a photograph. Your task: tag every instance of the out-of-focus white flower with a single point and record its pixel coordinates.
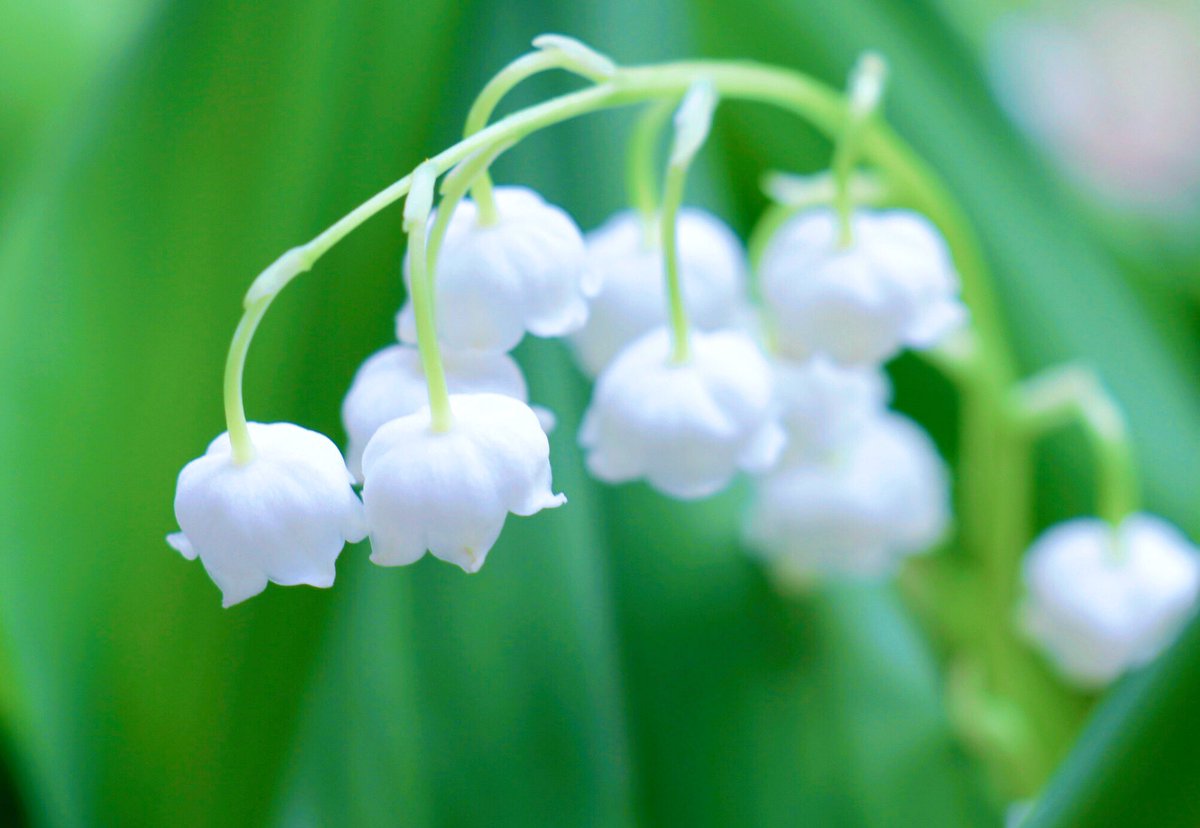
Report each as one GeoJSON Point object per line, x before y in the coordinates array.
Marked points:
{"type": "Point", "coordinates": [284, 516]}
{"type": "Point", "coordinates": [632, 296]}
{"type": "Point", "coordinates": [1102, 600]}
{"type": "Point", "coordinates": [450, 492]}
{"type": "Point", "coordinates": [1112, 89]}
{"type": "Point", "coordinates": [823, 405]}
{"type": "Point", "coordinates": [857, 512]}
{"type": "Point", "coordinates": [494, 282]}
{"type": "Point", "coordinates": [893, 286]}
{"type": "Point", "coordinates": [391, 384]}
{"type": "Point", "coordinates": [685, 427]}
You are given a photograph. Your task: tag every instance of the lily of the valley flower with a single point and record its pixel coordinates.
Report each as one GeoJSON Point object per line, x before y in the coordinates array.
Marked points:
{"type": "Point", "coordinates": [391, 384]}
{"type": "Point", "coordinates": [823, 405]}
{"type": "Point", "coordinates": [688, 427]}
{"type": "Point", "coordinates": [1102, 600]}
{"type": "Point", "coordinates": [284, 516]}
{"type": "Point", "coordinates": [883, 495]}
{"type": "Point", "coordinates": [494, 282]}
{"type": "Point", "coordinates": [631, 300]}
{"type": "Point", "coordinates": [449, 492]}
{"type": "Point", "coordinates": [893, 286]}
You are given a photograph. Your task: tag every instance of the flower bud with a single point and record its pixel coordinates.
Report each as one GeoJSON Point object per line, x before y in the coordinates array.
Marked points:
{"type": "Point", "coordinates": [391, 384]}
{"type": "Point", "coordinates": [857, 512]}
{"type": "Point", "coordinates": [685, 427]}
{"type": "Point", "coordinates": [632, 297]}
{"type": "Point", "coordinates": [1102, 600]}
{"type": "Point", "coordinates": [893, 286]}
{"type": "Point", "coordinates": [449, 492]}
{"type": "Point", "coordinates": [494, 282]}
{"type": "Point", "coordinates": [283, 517]}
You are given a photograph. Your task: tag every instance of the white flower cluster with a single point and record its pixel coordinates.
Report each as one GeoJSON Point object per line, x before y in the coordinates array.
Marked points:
{"type": "Point", "coordinates": [858, 487]}
{"type": "Point", "coordinates": [845, 486]}
{"type": "Point", "coordinates": [285, 514]}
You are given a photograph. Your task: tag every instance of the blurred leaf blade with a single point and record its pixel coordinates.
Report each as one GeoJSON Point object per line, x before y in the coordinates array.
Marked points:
{"type": "Point", "coordinates": [1135, 763]}
{"type": "Point", "coordinates": [157, 707]}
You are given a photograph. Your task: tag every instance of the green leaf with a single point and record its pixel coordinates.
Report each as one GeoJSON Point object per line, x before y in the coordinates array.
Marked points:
{"type": "Point", "coordinates": [1136, 761]}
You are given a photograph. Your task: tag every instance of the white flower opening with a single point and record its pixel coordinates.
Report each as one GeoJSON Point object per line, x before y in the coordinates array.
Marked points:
{"type": "Point", "coordinates": [858, 512]}
{"type": "Point", "coordinates": [391, 384]}
{"type": "Point", "coordinates": [495, 281]}
{"type": "Point", "coordinates": [282, 517]}
{"type": "Point", "coordinates": [1102, 601]}
{"type": "Point", "coordinates": [632, 298]}
{"type": "Point", "coordinates": [894, 286]}
{"type": "Point", "coordinates": [450, 492]}
{"type": "Point", "coordinates": [687, 428]}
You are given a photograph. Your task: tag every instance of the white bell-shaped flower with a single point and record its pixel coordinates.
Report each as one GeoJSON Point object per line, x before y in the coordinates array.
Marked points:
{"type": "Point", "coordinates": [823, 405]}
{"type": "Point", "coordinates": [857, 512]}
{"type": "Point", "coordinates": [391, 384]}
{"type": "Point", "coordinates": [525, 272]}
{"type": "Point", "coordinates": [449, 492]}
{"type": "Point", "coordinates": [688, 427]}
{"type": "Point", "coordinates": [283, 516]}
{"type": "Point", "coordinates": [893, 286]}
{"type": "Point", "coordinates": [1102, 600]}
{"type": "Point", "coordinates": [632, 297]}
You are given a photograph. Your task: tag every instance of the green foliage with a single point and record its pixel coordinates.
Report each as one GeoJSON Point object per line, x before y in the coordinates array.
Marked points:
{"type": "Point", "coordinates": [618, 661]}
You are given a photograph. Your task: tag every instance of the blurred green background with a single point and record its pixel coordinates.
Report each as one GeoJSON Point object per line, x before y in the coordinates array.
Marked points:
{"type": "Point", "coordinates": [618, 662]}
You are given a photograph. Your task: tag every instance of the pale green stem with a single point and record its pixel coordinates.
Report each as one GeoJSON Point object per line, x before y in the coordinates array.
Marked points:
{"type": "Point", "coordinates": [1074, 395]}
{"type": "Point", "coordinates": [235, 367]}
{"type": "Point", "coordinates": [866, 87]}
{"type": "Point", "coordinates": [672, 199]}
{"type": "Point", "coordinates": [454, 188]}
{"type": "Point", "coordinates": [521, 69]}
{"type": "Point", "coordinates": [996, 473]}
{"type": "Point", "coordinates": [843, 164]}
{"type": "Point", "coordinates": [824, 107]}
{"type": "Point", "coordinates": [641, 169]}
{"type": "Point", "coordinates": [416, 223]}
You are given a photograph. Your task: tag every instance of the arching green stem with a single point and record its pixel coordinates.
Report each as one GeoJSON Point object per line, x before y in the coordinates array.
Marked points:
{"type": "Point", "coordinates": [1072, 394]}
{"type": "Point", "coordinates": [235, 367]}
{"type": "Point", "coordinates": [554, 52]}
{"type": "Point", "coordinates": [906, 176]}
{"type": "Point", "coordinates": [866, 88]}
{"type": "Point", "coordinates": [641, 169]}
{"type": "Point", "coordinates": [416, 224]}
{"type": "Point", "coordinates": [454, 188]}
{"type": "Point", "coordinates": [485, 104]}
{"type": "Point", "coordinates": [672, 199]}
{"type": "Point", "coordinates": [693, 120]}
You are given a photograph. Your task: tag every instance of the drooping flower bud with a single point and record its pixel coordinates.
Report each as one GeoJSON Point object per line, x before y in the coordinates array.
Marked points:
{"type": "Point", "coordinates": [391, 384]}
{"type": "Point", "coordinates": [893, 286]}
{"type": "Point", "coordinates": [1102, 600]}
{"type": "Point", "coordinates": [687, 428]}
{"type": "Point", "coordinates": [857, 512]}
{"type": "Point", "coordinates": [494, 282]}
{"type": "Point", "coordinates": [824, 405]}
{"type": "Point", "coordinates": [449, 492]}
{"type": "Point", "coordinates": [632, 297]}
{"type": "Point", "coordinates": [284, 516]}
